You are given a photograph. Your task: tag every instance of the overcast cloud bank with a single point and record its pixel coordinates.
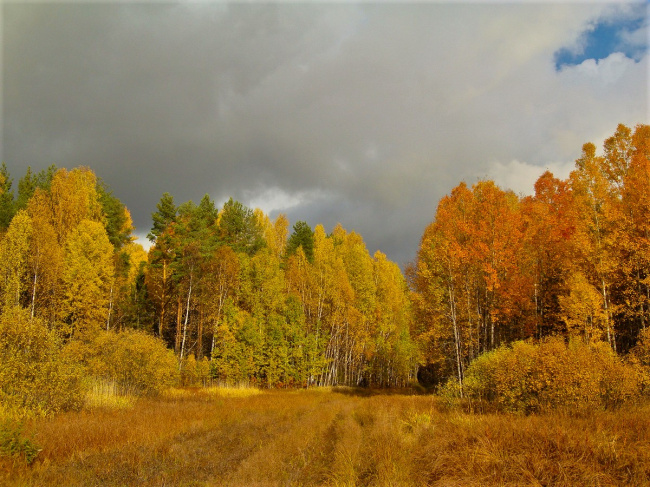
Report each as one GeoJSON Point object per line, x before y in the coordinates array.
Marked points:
{"type": "Point", "coordinates": [364, 114]}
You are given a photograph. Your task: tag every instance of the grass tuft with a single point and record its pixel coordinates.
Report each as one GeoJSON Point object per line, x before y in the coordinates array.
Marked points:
{"type": "Point", "coordinates": [105, 394]}
{"type": "Point", "coordinates": [211, 391]}
{"type": "Point", "coordinates": [232, 391]}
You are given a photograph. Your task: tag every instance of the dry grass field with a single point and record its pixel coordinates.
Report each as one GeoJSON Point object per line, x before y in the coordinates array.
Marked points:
{"type": "Point", "coordinates": [340, 437]}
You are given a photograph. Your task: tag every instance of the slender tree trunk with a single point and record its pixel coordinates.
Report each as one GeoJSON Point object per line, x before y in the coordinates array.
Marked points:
{"type": "Point", "coordinates": [640, 291]}
{"type": "Point", "coordinates": [187, 317]}
{"type": "Point", "coordinates": [452, 313]}
{"type": "Point", "coordinates": [163, 300]}
{"type": "Point", "coordinates": [161, 321]}
{"type": "Point", "coordinates": [33, 305]}
{"type": "Point", "coordinates": [199, 338]}
{"type": "Point", "coordinates": [610, 333]}
{"type": "Point", "coordinates": [470, 323]}
{"type": "Point", "coordinates": [179, 317]}
{"type": "Point", "coordinates": [537, 321]}
{"type": "Point", "coordinates": [110, 309]}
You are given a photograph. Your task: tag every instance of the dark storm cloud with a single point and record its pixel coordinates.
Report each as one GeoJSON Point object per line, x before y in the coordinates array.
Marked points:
{"type": "Point", "coordinates": [364, 114]}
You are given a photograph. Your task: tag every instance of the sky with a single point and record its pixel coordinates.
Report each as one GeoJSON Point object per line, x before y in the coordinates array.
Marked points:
{"type": "Point", "coordinates": [364, 114]}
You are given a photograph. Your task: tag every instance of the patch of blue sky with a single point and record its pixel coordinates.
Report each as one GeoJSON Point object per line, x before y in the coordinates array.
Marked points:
{"type": "Point", "coordinates": [626, 35]}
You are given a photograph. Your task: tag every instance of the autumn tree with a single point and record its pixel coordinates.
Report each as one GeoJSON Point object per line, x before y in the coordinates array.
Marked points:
{"type": "Point", "coordinates": [223, 267]}
{"type": "Point", "coordinates": [550, 225]}
{"type": "Point", "coordinates": [597, 229]}
{"type": "Point", "coordinates": [30, 182]}
{"type": "Point", "coordinates": [444, 277]}
{"type": "Point", "coordinates": [45, 260]}
{"type": "Point", "coordinates": [14, 255]}
{"type": "Point", "coordinates": [72, 198]}
{"type": "Point", "coordinates": [633, 288]}
{"type": "Point", "coordinates": [132, 308]}
{"type": "Point", "coordinates": [395, 354]}
{"type": "Point", "coordinates": [87, 279]}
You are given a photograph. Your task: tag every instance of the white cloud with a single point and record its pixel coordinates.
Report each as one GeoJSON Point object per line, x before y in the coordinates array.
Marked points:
{"type": "Point", "coordinates": [604, 71]}
{"type": "Point", "coordinates": [141, 238]}
{"type": "Point", "coordinates": [273, 200]}
{"type": "Point", "coordinates": [520, 177]}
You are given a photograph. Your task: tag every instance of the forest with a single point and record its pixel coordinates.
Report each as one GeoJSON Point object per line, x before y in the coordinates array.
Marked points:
{"type": "Point", "coordinates": [573, 260]}
{"type": "Point", "coordinates": [230, 296]}
{"type": "Point", "coordinates": [234, 295]}
{"type": "Point", "coordinates": [514, 349]}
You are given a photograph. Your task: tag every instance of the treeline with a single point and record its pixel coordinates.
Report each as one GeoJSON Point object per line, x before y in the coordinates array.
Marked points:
{"type": "Point", "coordinates": [240, 298]}
{"type": "Point", "coordinates": [304, 309]}
{"type": "Point", "coordinates": [232, 293]}
{"type": "Point", "coordinates": [66, 252]}
{"type": "Point", "coordinates": [573, 260]}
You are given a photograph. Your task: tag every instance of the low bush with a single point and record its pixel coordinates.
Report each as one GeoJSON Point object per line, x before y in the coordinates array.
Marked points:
{"type": "Point", "coordinates": [35, 378]}
{"type": "Point", "coordinates": [13, 442]}
{"type": "Point", "coordinates": [137, 363]}
{"type": "Point", "coordinates": [195, 372]}
{"type": "Point", "coordinates": [526, 377]}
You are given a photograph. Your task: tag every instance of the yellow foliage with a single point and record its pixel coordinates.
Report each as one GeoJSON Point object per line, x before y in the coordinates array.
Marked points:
{"type": "Point", "coordinates": [583, 310]}
{"type": "Point", "coordinates": [137, 257]}
{"type": "Point", "coordinates": [35, 379]}
{"type": "Point", "coordinates": [642, 349]}
{"type": "Point", "coordinates": [87, 278]}
{"type": "Point", "coordinates": [14, 254]}
{"type": "Point", "coordinates": [525, 377]}
{"type": "Point", "coordinates": [73, 198]}
{"type": "Point", "coordinates": [106, 394]}
{"type": "Point", "coordinates": [195, 372]}
{"type": "Point", "coordinates": [136, 361]}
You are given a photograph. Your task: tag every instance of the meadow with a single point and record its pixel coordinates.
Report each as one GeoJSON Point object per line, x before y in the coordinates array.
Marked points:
{"type": "Point", "coordinates": [329, 436]}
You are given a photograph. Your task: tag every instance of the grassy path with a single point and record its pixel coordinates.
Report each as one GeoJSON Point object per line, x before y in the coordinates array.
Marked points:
{"type": "Point", "coordinates": [331, 438]}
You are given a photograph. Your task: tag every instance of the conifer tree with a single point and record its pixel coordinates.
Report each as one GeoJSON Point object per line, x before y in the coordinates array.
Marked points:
{"type": "Point", "coordinates": [6, 198]}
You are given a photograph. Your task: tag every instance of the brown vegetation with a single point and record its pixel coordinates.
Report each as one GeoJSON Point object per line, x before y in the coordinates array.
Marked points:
{"type": "Point", "coordinates": [331, 437]}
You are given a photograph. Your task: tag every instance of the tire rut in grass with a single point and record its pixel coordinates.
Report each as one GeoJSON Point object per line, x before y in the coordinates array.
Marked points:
{"type": "Point", "coordinates": [295, 455]}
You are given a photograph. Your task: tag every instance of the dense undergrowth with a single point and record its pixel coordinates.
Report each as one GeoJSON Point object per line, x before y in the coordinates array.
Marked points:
{"type": "Point", "coordinates": [527, 377]}
{"type": "Point", "coordinates": [41, 376]}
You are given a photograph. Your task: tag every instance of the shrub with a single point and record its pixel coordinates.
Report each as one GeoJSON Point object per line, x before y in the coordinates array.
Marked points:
{"type": "Point", "coordinates": [195, 372]}
{"type": "Point", "coordinates": [525, 377]}
{"type": "Point", "coordinates": [14, 444]}
{"type": "Point", "coordinates": [136, 362]}
{"type": "Point", "coordinates": [35, 378]}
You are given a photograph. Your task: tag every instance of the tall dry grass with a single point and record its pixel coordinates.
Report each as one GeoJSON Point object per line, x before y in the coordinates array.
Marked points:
{"type": "Point", "coordinates": [333, 438]}
{"type": "Point", "coordinates": [107, 394]}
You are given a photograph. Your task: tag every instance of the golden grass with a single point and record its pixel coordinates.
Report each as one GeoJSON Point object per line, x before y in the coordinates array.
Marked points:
{"type": "Point", "coordinates": [229, 391]}
{"type": "Point", "coordinates": [214, 391]}
{"type": "Point", "coordinates": [331, 438]}
{"type": "Point", "coordinates": [105, 394]}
